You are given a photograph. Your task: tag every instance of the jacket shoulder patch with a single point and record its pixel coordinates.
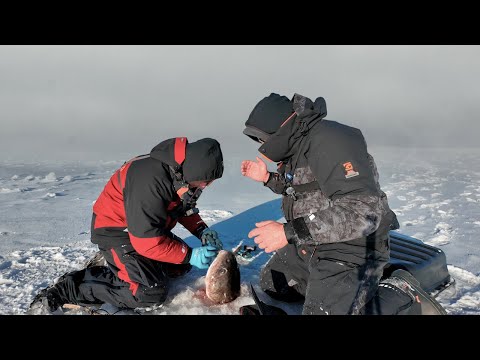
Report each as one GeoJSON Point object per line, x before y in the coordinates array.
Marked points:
{"type": "Point", "coordinates": [349, 170]}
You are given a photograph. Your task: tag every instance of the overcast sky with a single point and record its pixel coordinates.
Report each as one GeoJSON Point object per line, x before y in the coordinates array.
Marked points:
{"type": "Point", "coordinates": [89, 101]}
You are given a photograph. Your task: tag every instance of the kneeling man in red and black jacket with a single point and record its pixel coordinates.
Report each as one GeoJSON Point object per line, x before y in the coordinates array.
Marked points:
{"type": "Point", "coordinates": [132, 222]}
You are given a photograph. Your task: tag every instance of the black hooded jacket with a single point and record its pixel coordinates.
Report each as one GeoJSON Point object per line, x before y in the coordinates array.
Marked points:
{"type": "Point", "coordinates": [139, 205]}
{"type": "Point", "coordinates": [341, 204]}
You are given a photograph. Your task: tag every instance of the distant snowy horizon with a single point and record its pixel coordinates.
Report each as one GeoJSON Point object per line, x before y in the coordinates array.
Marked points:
{"type": "Point", "coordinates": [45, 212]}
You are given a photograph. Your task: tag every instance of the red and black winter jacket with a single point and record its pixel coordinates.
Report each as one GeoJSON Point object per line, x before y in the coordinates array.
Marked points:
{"type": "Point", "coordinates": [137, 207]}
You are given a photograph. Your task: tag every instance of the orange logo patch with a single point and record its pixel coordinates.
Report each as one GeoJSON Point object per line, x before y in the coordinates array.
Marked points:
{"type": "Point", "coordinates": [349, 170]}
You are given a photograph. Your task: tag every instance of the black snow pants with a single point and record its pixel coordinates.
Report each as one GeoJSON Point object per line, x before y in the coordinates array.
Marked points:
{"type": "Point", "coordinates": [129, 281]}
{"type": "Point", "coordinates": [328, 284]}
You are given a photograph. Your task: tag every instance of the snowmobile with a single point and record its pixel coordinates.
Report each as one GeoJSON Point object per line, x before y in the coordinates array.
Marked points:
{"type": "Point", "coordinates": [428, 264]}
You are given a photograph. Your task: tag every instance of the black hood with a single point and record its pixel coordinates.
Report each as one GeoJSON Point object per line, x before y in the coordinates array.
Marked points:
{"type": "Point", "coordinates": [203, 159]}
{"type": "Point", "coordinates": [281, 142]}
{"type": "Point", "coordinates": [164, 152]}
{"type": "Point", "coordinates": [267, 117]}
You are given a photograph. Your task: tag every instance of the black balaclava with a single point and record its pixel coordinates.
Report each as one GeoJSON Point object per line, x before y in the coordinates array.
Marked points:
{"type": "Point", "coordinates": [267, 116]}
{"type": "Point", "coordinates": [203, 161]}
{"type": "Point", "coordinates": [267, 122]}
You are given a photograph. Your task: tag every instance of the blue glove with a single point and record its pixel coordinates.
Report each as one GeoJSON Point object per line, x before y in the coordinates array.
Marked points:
{"type": "Point", "coordinates": [203, 256]}
{"type": "Point", "coordinates": [210, 237]}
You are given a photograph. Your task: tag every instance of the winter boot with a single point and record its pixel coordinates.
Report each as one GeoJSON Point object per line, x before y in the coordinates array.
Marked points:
{"type": "Point", "coordinates": [406, 282]}
{"type": "Point", "coordinates": [266, 309]}
{"type": "Point", "coordinates": [260, 308]}
{"type": "Point", "coordinates": [46, 302]}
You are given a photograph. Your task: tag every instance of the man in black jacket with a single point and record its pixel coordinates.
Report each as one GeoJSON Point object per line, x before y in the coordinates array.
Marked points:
{"type": "Point", "coordinates": [332, 250]}
{"type": "Point", "coordinates": [132, 222]}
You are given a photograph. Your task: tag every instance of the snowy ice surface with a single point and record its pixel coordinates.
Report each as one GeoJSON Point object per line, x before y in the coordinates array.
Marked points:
{"type": "Point", "coordinates": [45, 213]}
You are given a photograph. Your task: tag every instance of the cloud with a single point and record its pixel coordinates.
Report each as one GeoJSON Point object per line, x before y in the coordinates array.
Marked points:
{"type": "Point", "coordinates": [84, 100]}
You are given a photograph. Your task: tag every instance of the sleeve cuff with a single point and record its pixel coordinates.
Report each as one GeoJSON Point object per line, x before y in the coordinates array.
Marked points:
{"type": "Point", "coordinates": [269, 178]}
{"type": "Point", "coordinates": [186, 260]}
{"type": "Point", "coordinates": [297, 232]}
{"type": "Point", "coordinates": [200, 230]}
{"type": "Point", "coordinates": [289, 233]}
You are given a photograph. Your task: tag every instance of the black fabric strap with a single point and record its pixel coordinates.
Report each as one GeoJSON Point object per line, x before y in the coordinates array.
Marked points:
{"type": "Point", "coordinates": [306, 187]}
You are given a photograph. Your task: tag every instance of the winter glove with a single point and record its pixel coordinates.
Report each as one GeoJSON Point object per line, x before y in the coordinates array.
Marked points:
{"type": "Point", "coordinates": [203, 256]}
{"type": "Point", "coordinates": [210, 237]}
